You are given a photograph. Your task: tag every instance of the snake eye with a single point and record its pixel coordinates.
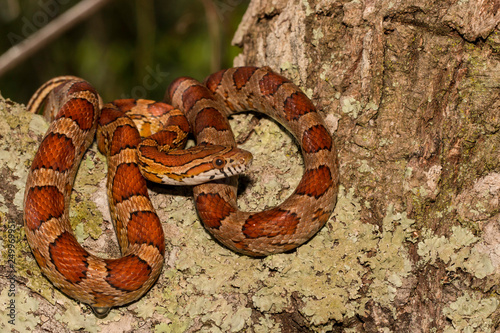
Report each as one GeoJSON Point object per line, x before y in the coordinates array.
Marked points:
{"type": "Point", "coordinates": [219, 162]}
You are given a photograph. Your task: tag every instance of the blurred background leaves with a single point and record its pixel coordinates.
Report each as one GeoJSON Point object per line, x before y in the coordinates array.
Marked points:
{"type": "Point", "coordinates": [127, 49]}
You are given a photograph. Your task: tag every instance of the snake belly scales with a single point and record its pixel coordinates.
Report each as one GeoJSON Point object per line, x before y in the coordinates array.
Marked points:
{"type": "Point", "coordinates": [73, 106]}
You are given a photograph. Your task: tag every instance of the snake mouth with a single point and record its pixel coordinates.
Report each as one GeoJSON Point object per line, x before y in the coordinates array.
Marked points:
{"type": "Point", "coordinates": [246, 160]}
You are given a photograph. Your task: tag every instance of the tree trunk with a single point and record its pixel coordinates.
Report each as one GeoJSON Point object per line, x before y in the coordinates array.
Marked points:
{"type": "Point", "coordinates": [410, 90]}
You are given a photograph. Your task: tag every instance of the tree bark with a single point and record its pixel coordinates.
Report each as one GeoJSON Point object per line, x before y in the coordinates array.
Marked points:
{"type": "Point", "coordinates": [410, 91]}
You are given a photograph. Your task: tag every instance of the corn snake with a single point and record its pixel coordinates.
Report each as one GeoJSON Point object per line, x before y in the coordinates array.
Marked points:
{"type": "Point", "coordinates": [106, 283]}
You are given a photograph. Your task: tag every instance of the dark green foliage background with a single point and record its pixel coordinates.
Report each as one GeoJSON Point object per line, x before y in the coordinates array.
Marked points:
{"type": "Point", "coordinates": [119, 47]}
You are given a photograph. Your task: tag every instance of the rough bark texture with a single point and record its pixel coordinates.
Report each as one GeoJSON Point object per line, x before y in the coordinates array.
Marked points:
{"type": "Point", "coordinates": [410, 90]}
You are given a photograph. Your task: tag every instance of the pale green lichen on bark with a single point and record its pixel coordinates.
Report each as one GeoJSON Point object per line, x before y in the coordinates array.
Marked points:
{"type": "Point", "coordinates": [317, 36]}
{"type": "Point", "coordinates": [75, 320]}
{"type": "Point", "coordinates": [16, 151]}
{"type": "Point", "coordinates": [25, 305]}
{"type": "Point", "coordinates": [456, 252]}
{"type": "Point", "coordinates": [16, 124]}
{"type": "Point", "coordinates": [307, 7]}
{"type": "Point", "coordinates": [85, 217]}
{"type": "Point", "coordinates": [391, 264]}
{"type": "Point", "coordinates": [351, 106]}
{"type": "Point", "coordinates": [291, 72]}
{"type": "Point", "coordinates": [268, 299]}
{"type": "Point", "coordinates": [470, 313]}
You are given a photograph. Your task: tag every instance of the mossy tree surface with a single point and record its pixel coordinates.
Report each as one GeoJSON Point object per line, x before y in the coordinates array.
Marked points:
{"type": "Point", "coordinates": [411, 91]}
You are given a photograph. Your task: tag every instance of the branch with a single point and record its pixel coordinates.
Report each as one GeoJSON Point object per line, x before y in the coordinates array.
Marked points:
{"type": "Point", "coordinates": [20, 52]}
{"type": "Point", "coordinates": [214, 33]}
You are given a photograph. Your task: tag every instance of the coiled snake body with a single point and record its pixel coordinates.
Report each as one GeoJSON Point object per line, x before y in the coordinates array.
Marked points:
{"type": "Point", "coordinates": [73, 106]}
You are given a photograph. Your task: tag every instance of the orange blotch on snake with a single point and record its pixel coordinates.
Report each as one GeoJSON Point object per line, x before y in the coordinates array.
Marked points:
{"type": "Point", "coordinates": [128, 273]}
{"type": "Point", "coordinates": [69, 258]}
{"type": "Point", "coordinates": [315, 139]}
{"type": "Point", "coordinates": [296, 105]}
{"type": "Point", "coordinates": [145, 228]}
{"type": "Point", "coordinates": [172, 89]}
{"type": "Point", "coordinates": [321, 215]}
{"type": "Point", "coordinates": [40, 259]}
{"type": "Point", "coordinates": [42, 203]}
{"type": "Point", "coordinates": [315, 182]}
{"type": "Point", "coordinates": [214, 80]}
{"type": "Point", "coordinates": [180, 121]}
{"type": "Point", "coordinates": [128, 182]}
{"type": "Point", "coordinates": [125, 136]}
{"type": "Point", "coordinates": [80, 86]}
{"type": "Point", "coordinates": [102, 299]}
{"type": "Point", "coordinates": [56, 152]}
{"type": "Point", "coordinates": [165, 138]}
{"type": "Point", "coordinates": [213, 209]}
{"type": "Point", "coordinates": [109, 115]}
{"type": "Point", "coordinates": [193, 94]}
{"type": "Point", "coordinates": [270, 223]}
{"type": "Point", "coordinates": [270, 83]}
{"type": "Point", "coordinates": [210, 117]}
{"type": "Point", "coordinates": [80, 110]}
{"type": "Point", "coordinates": [159, 108]}
{"type": "Point", "coordinates": [242, 75]}
{"type": "Point", "coordinates": [125, 104]}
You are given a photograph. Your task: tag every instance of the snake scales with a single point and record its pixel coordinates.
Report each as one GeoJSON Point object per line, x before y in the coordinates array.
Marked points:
{"type": "Point", "coordinates": [73, 106]}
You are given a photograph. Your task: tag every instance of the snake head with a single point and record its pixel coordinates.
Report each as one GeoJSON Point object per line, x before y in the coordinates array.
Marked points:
{"type": "Point", "coordinates": [234, 162]}
{"type": "Point", "coordinates": [193, 166]}
{"type": "Point", "coordinates": [219, 162]}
